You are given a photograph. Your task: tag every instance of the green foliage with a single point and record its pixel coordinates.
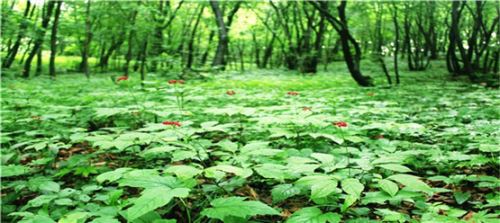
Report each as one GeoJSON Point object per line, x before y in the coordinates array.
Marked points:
{"type": "Point", "coordinates": [313, 214]}
{"type": "Point", "coordinates": [236, 207]}
{"type": "Point", "coordinates": [74, 152]}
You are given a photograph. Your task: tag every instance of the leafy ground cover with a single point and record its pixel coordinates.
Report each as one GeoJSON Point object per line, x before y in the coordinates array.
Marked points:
{"type": "Point", "coordinates": [248, 148]}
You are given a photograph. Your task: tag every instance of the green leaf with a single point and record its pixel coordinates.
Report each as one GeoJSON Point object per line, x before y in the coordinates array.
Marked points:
{"type": "Point", "coordinates": [13, 170]}
{"type": "Point", "coordinates": [352, 187]}
{"type": "Point", "coordinates": [148, 181]}
{"type": "Point", "coordinates": [237, 207]}
{"type": "Point", "coordinates": [323, 189]}
{"type": "Point", "coordinates": [309, 181]}
{"type": "Point", "coordinates": [396, 168]}
{"type": "Point", "coordinates": [377, 197]}
{"type": "Point", "coordinates": [238, 171]}
{"type": "Point", "coordinates": [49, 186]}
{"type": "Point", "coordinates": [391, 215]}
{"type": "Point", "coordinates": [313, 215]}
{"type": "Point", "coordinates": [331, 137]}
{"type": "Point", "coordinates": [273, 171]}
{"type": "Point", "coordinates": [489, 148]}
{"type": "Point", "coordinates": [152, 199]}
{"type": "Point", "coordinates": [180, 155]}
{"type": "Point", "coordinates": [105, 220]}
{"type": "Point", "coordinates": [461, 197]}
{"type": "Point", "coordinates": [112, 176]}
{"type": "Point", "coordinates": [283, 191]}
{"type": "Point", "coordinates": [411, 182]}
{"type": "Point", "coordinates": [348, 201]}
{"type": "Point", "coordinates": [41, 200]}
{"type": "Point", "coordinates": [76, 217]}
{"type": "Point", "coordinates": [388, 186]}
{"type": "Point", "coordinates": [37, 219]}
{"type": "Point", "coordinates": [183, 171]}
{"type": "Point", "coordinates": [64, 202]}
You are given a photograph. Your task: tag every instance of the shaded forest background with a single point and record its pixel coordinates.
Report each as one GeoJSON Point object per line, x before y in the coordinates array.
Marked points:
{"type": "Point", "coordinates": [190, 37]}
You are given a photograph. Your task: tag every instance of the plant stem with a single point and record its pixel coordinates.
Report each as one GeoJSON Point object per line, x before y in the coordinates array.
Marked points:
{"type": "Point", "coordinates": [188, 213]}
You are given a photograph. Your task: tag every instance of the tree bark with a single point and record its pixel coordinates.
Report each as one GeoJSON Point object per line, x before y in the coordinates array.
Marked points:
{"type": "Point", "coordinates": [86, 45]}
{"type": "Point", "coordinates": [39, 39]}
{"type": "Point", "coordinates": [11, 55]}
{"type": "Point", "coordinates": [143, 61]}
{"type": "Point", "coordinates": [346, 40]}
{"type": "Point", "coordinates": [160, 25]}
{"type": "Point", "coordinates": [220, 59]}
{"type": "Point", "coordinates": [190, 55]}
{"type": "Point", "coordinates": [131, 35]}
{"type": "Point", "coordinates": [204, 57]}
{"type": "Point", "coordinates": [53, 41]}
{"type": "Point", "coordinates": [396, 42]}
{"type": "Point", "coordinates": [38, 69]}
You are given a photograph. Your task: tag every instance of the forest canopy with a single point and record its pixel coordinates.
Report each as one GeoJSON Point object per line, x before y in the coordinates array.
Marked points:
{"type": "Point", "coordinates": [189, 36]}
{"type": "Point", "coordinates": [165, 111]}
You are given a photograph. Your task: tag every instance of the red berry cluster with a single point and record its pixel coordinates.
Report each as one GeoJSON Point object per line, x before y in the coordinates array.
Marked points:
{"type": "Point", "coordinates": [172, 123]}
{"type": "Point", "coordinates": [122, 78]}
{"type": "Point", "coordinates": [176, 82]}
{"type": "Point", "coordinates": [340, 124]}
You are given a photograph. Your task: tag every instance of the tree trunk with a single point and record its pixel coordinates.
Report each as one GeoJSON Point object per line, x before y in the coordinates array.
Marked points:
{"type": "Point", "coordinates": [86, 45]}
{"type": "Point", "coordinates": [204, 57]}
{"type": "Point", "coordinates": [256, 50]}
{"type": "Point", "coordinates": [346, 39]}
{"type": "Point", "coordinates": [11, 55]}
{"type": "Point", "coordinates": [53, 41]}
{"type": "Point", "coordinates": [241, 48]}
{"type": "Point", "coordinates": [115, 44]}
{"type": "Point", "coordinates": [222, 46]}
{"type": "Point", "coordinates": [39, 39]}
{"type": "Point", "coordinates": [268, 52]}
{"type": "Point", "coordinates": [220, 59]}
{"type": "Point", "coordinates": [190, 56]}
{"type": "Point", "coordinates": [143, 61]}
{"type": "Point", "coordinates": [396, 42]}
{"type": "Point", "coordinates": [38, 69]}
{"type": "Point", "coordinates": [379, 42]}
{"type": "Point", "coordinates": [131, 34]}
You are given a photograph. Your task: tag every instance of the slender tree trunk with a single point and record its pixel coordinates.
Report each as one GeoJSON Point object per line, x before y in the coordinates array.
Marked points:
{"type": "Point", "coordinates": [11, 55]}
{"type": "Point", "coordinates": [268, 53]}
{"type": "Point", "coordinates": [53, 41]}
{"type": "Point", "coordinates": [190, 56]}
{"type": "Point", "coordinates": [353, 61]}
{"type": "Point", "coordinates": [115, 44]}
{"type": "Point", "coordinates": [143, 61]}
{"type": "Point", "coordinates": [396, 42]}
{"type": "Point", "coordinates": [256, 50]}
{"type": "Point", "coordinates": [204, 57]}
{"type": "Point", "coordinates": [39, 39]}
{"type": "Point", "coordinates": [26, 51]}
{"type": "Point", "coordinates": [432, 31]}
{"type": "Point", "coordinates": [346, 39]}
{"type": "Point", "coordinates": [131, 34]}
{"type": "Point", "coordinates": [379, 39]}
{"type": "Point", "coordinates": [39, 64]}
{"type": "Point", "coordinates": [160, 25]}
{"type": "Point", "coordinates": [86, 44]}
{"type": "Point", "coordinates": [241, 49]}
{"type": "Point", "coordinates": [222, 46]}
{"type": "Point", "coordinates": [220, 59]}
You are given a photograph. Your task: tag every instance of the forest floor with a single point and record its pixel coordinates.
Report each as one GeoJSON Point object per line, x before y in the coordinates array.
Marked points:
{"type": "Point", "coordinates": [257, 146]}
